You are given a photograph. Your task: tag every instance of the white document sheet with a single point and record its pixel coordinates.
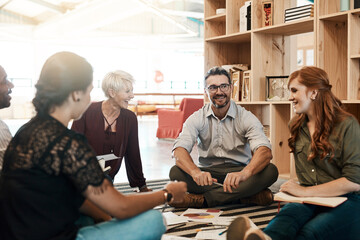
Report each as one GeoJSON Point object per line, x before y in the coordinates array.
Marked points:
{"type": "Point", "coordinates": [172, 218]}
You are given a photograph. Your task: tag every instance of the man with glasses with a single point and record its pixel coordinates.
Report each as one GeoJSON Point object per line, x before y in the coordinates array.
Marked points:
{"type": "Point", "coordinates": [234, 153]}
{"type": "Point", "coordinates": [5, 90]}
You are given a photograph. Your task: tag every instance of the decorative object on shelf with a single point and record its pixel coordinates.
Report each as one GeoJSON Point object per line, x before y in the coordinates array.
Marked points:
{"type": "Point", "coordinates": [267, 13]}
{"type": "Point", "coordinates": [344, 5]}
{"type": "Point", "coordinates": [297, 13]}
{"type": "Point", "coordinates": [236, 73]}
{"type": "Point", "coordinates": [220, 10]}
{"type": "Point", "coordinates": [244, 14]}
{"type": "Point", "coordinates": [356, 4]}
{"type": "Point", "coordinates": [276, 88]}
{"type": "Point", "coordinates": [245, 88]}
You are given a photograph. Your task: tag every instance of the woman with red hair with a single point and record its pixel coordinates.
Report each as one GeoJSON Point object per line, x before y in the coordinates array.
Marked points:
{"type": "Point", "coordinates": [325, 141]}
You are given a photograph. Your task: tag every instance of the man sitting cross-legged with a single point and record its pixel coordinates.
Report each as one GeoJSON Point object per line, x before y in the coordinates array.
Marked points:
{"type": "Point", "coordinates": [226, 135]}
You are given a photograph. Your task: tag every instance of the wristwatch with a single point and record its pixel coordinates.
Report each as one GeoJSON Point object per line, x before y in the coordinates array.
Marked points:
{"type": "Point", "coordinates": [168, 196]}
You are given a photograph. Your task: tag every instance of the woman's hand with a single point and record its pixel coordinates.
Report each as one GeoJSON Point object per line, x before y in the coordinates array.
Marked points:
{"type": "Point", "coordinates": [293, 188]}
{"type": "Point", "coordinates": [177, 189]}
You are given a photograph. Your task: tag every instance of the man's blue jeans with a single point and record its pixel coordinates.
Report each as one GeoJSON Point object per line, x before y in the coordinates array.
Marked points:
{"type": "Point", "coordinates": [306, 221]}
{"type": "Point", "coordinates": [146, 226]}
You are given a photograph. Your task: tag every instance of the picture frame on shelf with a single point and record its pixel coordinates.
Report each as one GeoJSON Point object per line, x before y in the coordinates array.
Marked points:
{"type": "Point", "coordinates": [277, 88]}
{"type": "Point", "coordinates": [246, 86]}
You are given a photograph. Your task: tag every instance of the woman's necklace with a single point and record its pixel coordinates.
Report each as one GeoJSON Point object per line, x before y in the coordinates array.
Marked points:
{"type": "Point", "coordinates": [108, 129]}
{"type": "Point", "coordinates": [111, 115]}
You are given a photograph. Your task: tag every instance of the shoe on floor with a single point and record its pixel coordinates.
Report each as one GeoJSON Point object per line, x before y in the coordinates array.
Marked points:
{"type": "Point", "coordinates": [263, 198]}
{"type": "Point", "coordinates": [190, 200]}
{"type": "Point", "coordinates": [238, 228]}
{"type": "Point", "coordinates": [256, 234]}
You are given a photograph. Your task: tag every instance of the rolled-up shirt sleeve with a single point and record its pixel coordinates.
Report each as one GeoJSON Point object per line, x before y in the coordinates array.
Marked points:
{"type": "Point", "coordinates": [254, 131]}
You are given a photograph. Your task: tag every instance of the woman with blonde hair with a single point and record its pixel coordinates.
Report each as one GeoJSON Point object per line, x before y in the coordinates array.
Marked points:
{"type": "Point", "coordinates": [325, 141]}
{"type": "Point", "coordinates": [111, 128]}
{"type": "Point", "coordinates": [51, 175]}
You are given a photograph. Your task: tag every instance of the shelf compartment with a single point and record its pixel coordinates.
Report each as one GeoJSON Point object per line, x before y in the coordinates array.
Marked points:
{"type": "Point", "coordinates": [232, 38]}
{"type": "Point", "coordinates": [331, 7]}
{"type": "Point", "coordinates": [218, 53]}
{"type": "Point", "coordinates": [290, 28]}
{"type": "Point", "coordinates": [214, 29]}
{"type": "Point", "coordinates": [333, 52]}
{"type": "Point", "coordinates": [210, 7]}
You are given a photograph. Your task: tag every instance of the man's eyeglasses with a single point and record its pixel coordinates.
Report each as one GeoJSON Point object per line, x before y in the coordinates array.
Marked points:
{"type": "Point", "coordinates": [223, 87]}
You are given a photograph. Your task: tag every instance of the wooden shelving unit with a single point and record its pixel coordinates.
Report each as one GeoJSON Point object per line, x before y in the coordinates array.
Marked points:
{"type": "Point", "coordinates": [268, 51]}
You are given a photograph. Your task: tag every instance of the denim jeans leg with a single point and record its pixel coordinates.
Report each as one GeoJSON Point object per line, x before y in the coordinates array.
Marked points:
{"type": "Point", "coordinates": [291, 218]}
{"type": "Point", "coordinates": [146, 226]}
{"type": "Point", "coordinates": [342, 222]}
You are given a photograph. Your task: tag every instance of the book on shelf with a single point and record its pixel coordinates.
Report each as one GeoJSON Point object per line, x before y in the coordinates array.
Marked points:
{"type": "Point", "coordinates": [300, 8]}
{"type": "Point", "coordinates": [356, 4]}
{"type": "Point", "coordinates": [248, 17]}
{"type": "Point", "coordinates": [321, 201]}
{"type": "Point", "coordinates": [299, 13]}
{"type": "Point", "coordinates": [267, 13]}
{"type": "Point", "coordinates": [298, 17]}
{"type": "Point", "coordinates": [243, 20]}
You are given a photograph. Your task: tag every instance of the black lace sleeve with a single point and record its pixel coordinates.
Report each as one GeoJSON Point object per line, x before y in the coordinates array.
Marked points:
{"type": "Point", "coordinates": [80, 164]}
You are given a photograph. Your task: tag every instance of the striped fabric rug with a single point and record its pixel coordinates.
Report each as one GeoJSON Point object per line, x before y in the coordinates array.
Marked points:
{"type": "Point", "coordinates": [260, 215]}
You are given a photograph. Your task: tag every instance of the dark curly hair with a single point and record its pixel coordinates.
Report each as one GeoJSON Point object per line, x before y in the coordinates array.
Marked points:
{"type": "Point", "coordinates": [327, 107]}
{"type": "Point", "coordinates": [62, 74]}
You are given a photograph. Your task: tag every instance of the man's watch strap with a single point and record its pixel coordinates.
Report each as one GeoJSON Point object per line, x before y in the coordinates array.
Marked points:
{"type": "Point", "coordinates": [168, 196]}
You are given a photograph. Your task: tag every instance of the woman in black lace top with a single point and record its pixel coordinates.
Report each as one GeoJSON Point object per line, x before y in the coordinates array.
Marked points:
{"type": "Point", "coordinates": [51, 175]}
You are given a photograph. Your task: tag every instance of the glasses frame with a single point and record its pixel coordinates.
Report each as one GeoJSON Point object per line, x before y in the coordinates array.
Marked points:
{"type": "Point", "coordinates": [224, 87]}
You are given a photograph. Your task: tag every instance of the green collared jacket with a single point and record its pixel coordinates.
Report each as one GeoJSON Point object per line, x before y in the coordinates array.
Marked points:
{"type": "Point", "coordinates": [345, 138]}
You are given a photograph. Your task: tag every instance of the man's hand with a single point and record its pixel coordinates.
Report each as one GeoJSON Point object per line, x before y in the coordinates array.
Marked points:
{"type": "Point", "coordinates": [293, 188]}
{"type": "Point", "coordinates": [233, 179]}
{"type": "Point", "coordinates": [203, 178]}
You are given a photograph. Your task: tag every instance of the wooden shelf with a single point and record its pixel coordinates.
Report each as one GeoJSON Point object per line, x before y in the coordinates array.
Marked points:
{"type": "Point", "coordinates": [355, 56]}
{"type": "Point", "coordinates": [216, 18]}
{"type": "Point", "coordinates": [232, 38]}
{"type": "Point", "coordinates": [336, 17]}
{"type": "Point", "coordinates": [290, 28]}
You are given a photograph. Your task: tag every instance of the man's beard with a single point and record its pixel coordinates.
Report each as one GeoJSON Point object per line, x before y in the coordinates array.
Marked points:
{"type": "Point", "coordinates": [223, 105]}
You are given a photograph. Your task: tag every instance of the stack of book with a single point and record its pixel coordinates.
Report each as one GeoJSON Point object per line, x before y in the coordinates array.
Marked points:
{"type": "Point", "coordinates": [296, 13]}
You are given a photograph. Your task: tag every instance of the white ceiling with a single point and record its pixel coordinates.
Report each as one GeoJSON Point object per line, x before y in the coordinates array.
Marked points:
{"type": "Point", "coordinates": [50, 19]}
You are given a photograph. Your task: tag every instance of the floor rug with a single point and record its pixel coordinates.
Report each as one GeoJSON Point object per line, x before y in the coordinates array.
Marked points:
{"type": "Point", "coordinates": [260, 215]}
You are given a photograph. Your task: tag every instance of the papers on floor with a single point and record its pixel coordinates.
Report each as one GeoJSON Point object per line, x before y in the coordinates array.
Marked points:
{"type": "Point", "coordinates": [203, 215]}
{"type": "Point", "coordinates": [171, 218]}
{"type": "Point", "coordinates": [211, 234]}
{"type": "Point", "coordinates": [172, 237]}
{"type": "Point", "coordinates": [322, 201]}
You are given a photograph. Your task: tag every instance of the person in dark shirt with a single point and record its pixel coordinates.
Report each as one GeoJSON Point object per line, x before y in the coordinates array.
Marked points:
{"type": "Point", "coordinates": [325, 140]}
{"type": "Point", "coordinates": [51, 175]}
{"type": "Point", "coordinates": [111, 128]}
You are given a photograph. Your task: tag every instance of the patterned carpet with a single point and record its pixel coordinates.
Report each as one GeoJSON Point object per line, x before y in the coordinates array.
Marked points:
{"type": "Point", "coordinates": [261, 216]}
